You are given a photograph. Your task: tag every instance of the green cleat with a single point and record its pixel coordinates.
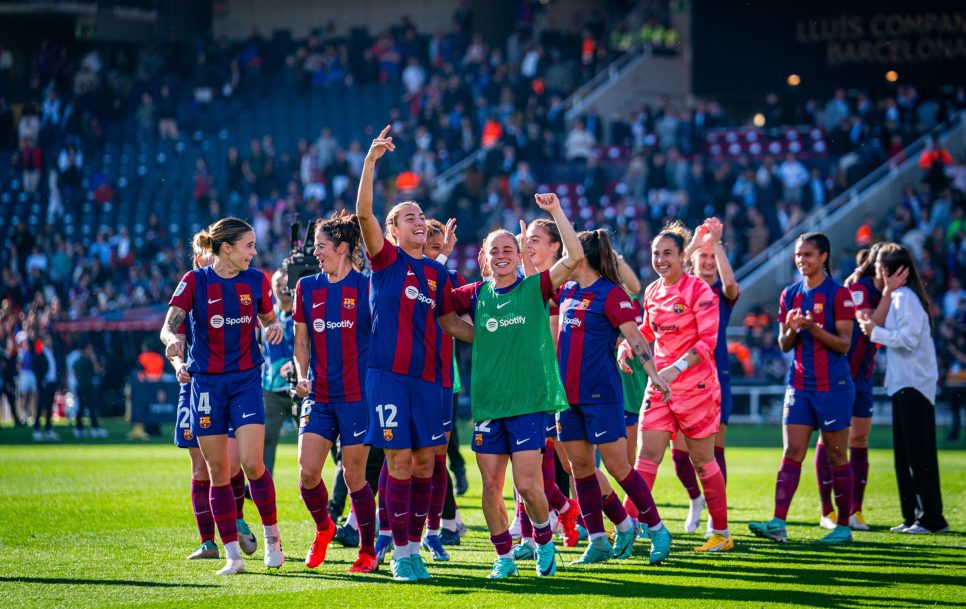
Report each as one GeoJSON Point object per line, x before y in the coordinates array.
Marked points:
{"type": "Point", "coordinates": [660, 544]}
{"type": "Point", "coordinates": [598, 550]}
{"type": "Point", "coordinates": [581, 533]}
{"type": "Point", "coordinates": [773, 529]}
{"type": "Point", "coordinates": [840, 534]}
{"type": "Point", "coordinates": [546, 556]}
{"type": "Point", "coordinates": [624, 542]}
{"type": "Point", "coordinates": [524, 551]}
{"type": "Point", "coordinates": [502, 568]}
{"type": "Point", "coordinates": [402, 570]}
{"type": "Point", "coordinates": [206, 550]}
{"type": "Point", "coordinates": [419, 567]}
{"type": "Point", "coordinates": [246, 539]}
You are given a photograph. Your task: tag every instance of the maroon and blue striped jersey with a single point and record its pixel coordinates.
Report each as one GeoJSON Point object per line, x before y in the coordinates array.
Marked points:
{"type": "Point", "coordinates": [862, 352]}
{"type": "Point", "coordinates": [586, 348]}
{"type": "Point", "coordinates": [815, 367]}
{"type": "Point", "coordinates": [407, 296]}
{"type": "Point", "coordinates": [223, 314]}
{"type": "Point", "coordinates": [339, 325]}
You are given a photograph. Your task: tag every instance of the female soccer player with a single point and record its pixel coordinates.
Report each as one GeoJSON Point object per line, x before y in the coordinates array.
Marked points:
{"type": "Point", "coordinates": [815, 317]}
{"type": "Point", "coordinates": [516, 381]}
{"type": "Point", "coordinates": [681, 319]}
{"type": "Point", "coordinates": [224, 367]}
{"type": "Point", "coordinates": [709, 261]}
{"type": "Point", "coordinates": [865, 289]}
{"type": "Point", "coordinates": [406, 375]}
{"type": "Point", "coordinates": [183, 438]}
{"type": "Point", "coordinates": [332, 328]}
{"type": "Point", "coordinates": [594, 311]}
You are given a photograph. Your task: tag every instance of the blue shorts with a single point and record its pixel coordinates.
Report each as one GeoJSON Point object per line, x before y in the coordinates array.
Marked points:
{"type": "Point", "coordinates": [631, 419]}
{"type": "Point", "coordinates": [183, 438]}
{"type": "Point", "coordinates": [825, 410]}
{"type": "Point", "coordinates": [864, 401]}
{"type": "Point", "coordinates": [550, 426]}
{"type": "Point", "coordinates": [347, 421]}
{"type": "Point", "coordinates": [447, 410]}
{"type": "Point", "coordinates": [220, 402]}
{"type": "Point", "coordinates": [404, 410]}
{"type": "Point", "coordinates": [510, 435]}
{"type": "Point", "coordinates": [724, 380]}
{"type": "Point", "coordinates": [595, 423]}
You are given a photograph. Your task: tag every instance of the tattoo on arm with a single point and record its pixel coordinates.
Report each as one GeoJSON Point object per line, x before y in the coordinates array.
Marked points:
{"type": "Point", "coordinates": [173, 321]}
{"type": "Point", "coordinates": [641, 352]}
{"type": "Point", "coordinates": [692, 352]}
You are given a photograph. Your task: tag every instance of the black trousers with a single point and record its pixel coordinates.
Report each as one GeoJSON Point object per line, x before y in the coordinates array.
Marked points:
{"type": "Point", "coordinates": [917, 467]}
{"type": "Point", "coordinates": [45, 404]}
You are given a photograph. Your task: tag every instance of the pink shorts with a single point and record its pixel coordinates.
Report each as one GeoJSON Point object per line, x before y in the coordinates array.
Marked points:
{"type": "Point", "coordinates": [696, 415]}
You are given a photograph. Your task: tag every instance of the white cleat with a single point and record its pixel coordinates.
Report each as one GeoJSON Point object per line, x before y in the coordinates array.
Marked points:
{"type": "Point", "coordinates": [694, 514]}
{"type": "Point", "coordinates": [828, 522]}
{"type": "Point", "coordinates": [274, 557]}
{"type": "Point", "coordinates": [514, 529]}
{"type": "Point", "coordinates": [233, 566]}
{"type": "Point", "coordinates": [710, 531]}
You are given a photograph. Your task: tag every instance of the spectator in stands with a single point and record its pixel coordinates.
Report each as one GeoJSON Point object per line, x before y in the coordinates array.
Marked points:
{"type": "Point", "coordinates": [167, 114]}
{"type": "Point", "coordinates": [580, 142]}
{"type": "Point", "coordinates": [794, 176]}
{"type": "Point", "coordinates": [146, 116]}
{"type": "Point", "coordinates": [31, 165]}
{"type": "Point", "coordinates": [26, 407]}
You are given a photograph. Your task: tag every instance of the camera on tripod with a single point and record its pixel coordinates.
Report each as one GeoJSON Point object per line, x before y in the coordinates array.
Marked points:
{"type": "Point", "coordinates": [300, 262]}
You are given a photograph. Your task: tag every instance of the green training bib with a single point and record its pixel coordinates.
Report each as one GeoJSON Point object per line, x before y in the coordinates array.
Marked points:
{"type": "Point", "coordinates": [515, 367]}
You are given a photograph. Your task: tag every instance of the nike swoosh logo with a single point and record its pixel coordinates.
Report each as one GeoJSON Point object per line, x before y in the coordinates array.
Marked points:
{"type": "Point", "coordinates": [210, 301]}
{"type": "Point", "coordinates": [519, 442]}
{"type": "Point", "coordinates": [439, 436]}
{"type": "Point", "coordinates": [248, 414]}
{"type": "Point", "coordinates": [317, 304]}
{"type": "Point", "coordinates": [447, 422]}
{"type": "Point", "coordinates": [357, 434]}
{"type": "Point", "coordinates": [551, 428]}
{"type": "Point", "coordinates": [399, 515]}
{"type": "Point", "coordinates": [599, 434]}
{"type": "Point", "coordinates": [410, 273]}
{"type": "Point", "coordinates": [422, 515]}
{"type": "Point", "coordinates": [500, 306]}
{"type": "Point", "coordinates": [830, 422]}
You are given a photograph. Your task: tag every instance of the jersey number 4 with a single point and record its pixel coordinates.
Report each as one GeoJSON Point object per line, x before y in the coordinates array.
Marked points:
{"type": "Point", "coordinates": [203, 406]}
{"type": "Point", "coordinates": [387, 415]}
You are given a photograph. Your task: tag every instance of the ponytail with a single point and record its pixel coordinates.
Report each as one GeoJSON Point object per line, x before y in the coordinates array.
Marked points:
{"type": "Point", "coordinates": [599, 254]}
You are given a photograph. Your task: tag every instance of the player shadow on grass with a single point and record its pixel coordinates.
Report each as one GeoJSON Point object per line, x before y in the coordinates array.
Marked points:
{"type": "Point", "coordinates": [99, 582]}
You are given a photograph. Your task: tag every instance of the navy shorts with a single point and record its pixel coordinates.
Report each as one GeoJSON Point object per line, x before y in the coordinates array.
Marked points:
{"type": "Point", "coordinates": [221, 402]}
{"type": "Point", "coordinates": [550, 426]}
{"type": "Point", "coordinates": [724, 379]}
{"type": "Point", "coordinates": [183, 438]}
{"type": "Point", "coordinates": [447, 410]}
{"type": "Point", "coordinates": [631, 419]}
{"type": "Point", "coordinates": [864, 401]}
{"type": "Point", "coordinates": [347, 421]}
{"type": "Point", "coordinates": [510, 434]}
{"type": "Point", "coordinates": [825, 410]}
{"type": "Point", "coordinates": [404, 411]}
{"type": "Point", "coordinates": [595, 423]}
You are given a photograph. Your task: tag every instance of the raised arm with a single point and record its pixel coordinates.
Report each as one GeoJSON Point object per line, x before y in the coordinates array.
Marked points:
{"type": "Point", "coordinates": [729, 286]}
{"type": "Point", "coordinates": [372, 235]}
{"type": "Point", "coordinates": [573, 252]}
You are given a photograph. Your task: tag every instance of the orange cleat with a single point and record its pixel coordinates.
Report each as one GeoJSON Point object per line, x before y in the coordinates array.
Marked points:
{"type": "Point", "coordinates": [568, 522]}
{"type": "Point", "coordinates": [316, 555]}
{"type": "Point", "coordinates": [366, 563]}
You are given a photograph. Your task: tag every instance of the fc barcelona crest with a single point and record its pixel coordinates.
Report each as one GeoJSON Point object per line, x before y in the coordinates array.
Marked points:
{"type": "Point", "coordinates": [349, 303]}
{"type": "Point", "coordinates": [205, 422]}
{"type": "Point", "coordinates": [584, 304]}
{"type": "Point", "coordinates": [432, 284]}
{"type": "Point", "coordinates": [245, 299]}
{"type": "Point", "coordinates": [387, 435]}
{"type": "Point", "coordinates": [818, 308]}
{"type": "Point", "coordinates": [187, 435]}
{"type": "Point", "coordinates": [679, 307]}
{"type": "Point", "coordinates": [478, 439]}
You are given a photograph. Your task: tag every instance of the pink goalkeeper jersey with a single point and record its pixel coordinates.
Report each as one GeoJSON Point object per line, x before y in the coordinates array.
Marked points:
{"type": "Point", "coordinates": [681, 317]}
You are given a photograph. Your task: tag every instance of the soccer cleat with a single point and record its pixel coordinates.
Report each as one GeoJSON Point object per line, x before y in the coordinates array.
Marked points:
{"type": "Point", "coordinates": [246, 539]}
{"type": "Point", "coordinates": [433, 545]}
{"type": "Point", "coordinates": [274, 557]}
{"type": "Point", "coordinates": [841, 534]}
{"type": "Point", "coordinates": [461, 484]}
{"type": "Point", "coordinates": [624, 542]}
{"type": "Point", "coordinates": [568, 524]}
{"type": "Point", "coordinates": [365, 563]}
{"type": "Point", "coordinates": [660, 545]}
{"type": "Point", "coordinates": [694, 514]}
{"type": "Point", "coordinates": [347, 536]}
{"type": "Point", "coordinates": [641, 528]}
{"type": "Point", "coordinates": [449, 538]}
{"type": "Point", "coordinates": [316, 553]}
{"type": "Point", "coordinates": [419, 567]}
{"type": "Point", "coordinates": [773, 529]}
{"type": "Point", "coordinates": [717, 543]}
{"type": "Point", "coordinates": [514, 529]}
{"type": "Point", "coordinates": [918, 529]}
{"type": "Point", "coordinates": [232, 567]}
{"type": "Point", "coordinates": [383, 545]}
{"type": "Point", "coordinates": [39, 436]}
{"type": "Point", "coordinates": [582, 533]}
{"type": "Point", "coordinates": [99, 432]}
{"type": "Point", "coordinates": [524, 551]}
{"type": "Point", "coordinates": [206, 550]}
{"type": "Point", "coordinates": [546, 556]}
{"type": "Point", "coordinates": [857, 522]}
{"type": "Point", "coordinates": [461, 529]}
{"type": "Point", "coordinates": [598, 550]}
{"type": "Point", "coordinates": [502, 568]}
{"type": "Point", "coordinates": [402, 570]}
{"type": "Point", "coordinates": [900, 528]}
{"type": "Point", "coordinates": [828, 521]}
{"type": "Point", "coordinates": [52, 436]}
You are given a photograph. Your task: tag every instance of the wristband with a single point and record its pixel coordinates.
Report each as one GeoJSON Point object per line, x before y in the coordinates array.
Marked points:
{"type": "Point", "coordinates": [681, 364]}
{"type": "Point", "coordinates": [442, 258]}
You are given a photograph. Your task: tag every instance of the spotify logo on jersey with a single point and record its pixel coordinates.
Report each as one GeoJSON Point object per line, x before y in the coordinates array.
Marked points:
{"type": "Point", "coordinates": [319, 325]}
{"type": "Point", "coordinates": [412, 292]}
{"type": "Point", "coordinates": [492, 325]}
{"type": "Point", "coordinates": [217, 321]}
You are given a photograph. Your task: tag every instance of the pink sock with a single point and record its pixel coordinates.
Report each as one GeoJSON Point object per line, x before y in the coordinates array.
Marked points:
{"type": "Point", "coordinates": [714, 492]}
{"type": "Point", "coordinates": [648, 470]}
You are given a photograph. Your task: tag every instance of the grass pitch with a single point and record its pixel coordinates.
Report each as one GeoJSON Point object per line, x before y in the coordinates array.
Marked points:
{"type": "Point", "coordinates": [87, 524]}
